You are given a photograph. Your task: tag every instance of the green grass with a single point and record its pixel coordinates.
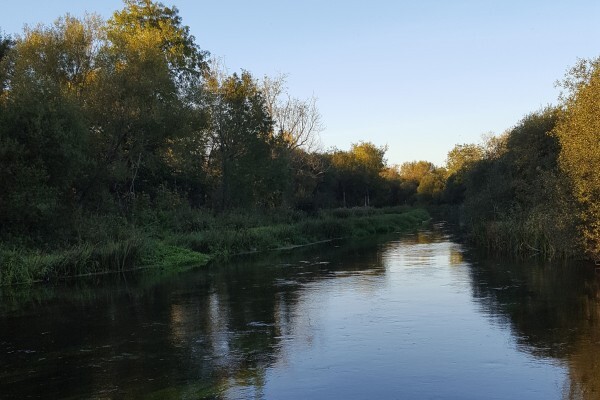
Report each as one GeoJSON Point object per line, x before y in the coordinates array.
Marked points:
{"type": "Point", "coordinates": [18, 265]}
{"type": "Point", "coordinates": [223, 242]}
{"type": "Point", "coordinates": [163, 255]}
{"type": "Point", "coordinates": [216, 237]}
{"type": "Point", "coordinates": [524, 237]}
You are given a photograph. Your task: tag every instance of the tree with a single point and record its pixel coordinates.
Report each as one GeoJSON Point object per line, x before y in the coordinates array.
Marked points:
{"type": "Point", "coordinates": [578, 131]}
{"type": "Point", "coordinates": [411, 174]}
{"type": "Point", "coordinates": [146, 20]}
{"type": "Point", "coordinates": [296, 127]}
{"type": "Point", "coordinates": [415, 170]}
{"type": "Point", "coordinates": [297, 122]}
{"type": "Point", "coordinates": [63, 53]}
{"type": "Point", "coordinates": [44, 150]}
{"type": "Point", "coordinates": [462, 156]}
{"type": "Point", "coordinates": [532, 151]}
{"type": "Point", "coordinates": [431, 186]}
{"type": "Point", "coordinates": [145, 96]}
{"type": "Point", "coordinates": [460, 160]}
{"type": "Point", "coordinates": [358, 172]}
{"type": "Point", "coordinates": [240, 140]}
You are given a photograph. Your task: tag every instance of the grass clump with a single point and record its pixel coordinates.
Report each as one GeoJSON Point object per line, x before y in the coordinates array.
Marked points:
{"type": "Point", "coordinates": [163, 255]}
{"type": "Point", "coordinates": [21, 265]}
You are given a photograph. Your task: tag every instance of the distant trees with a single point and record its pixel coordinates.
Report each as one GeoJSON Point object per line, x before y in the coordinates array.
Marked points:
{"type": "Point", "coordinates": [358, 173]}
{"type": "Point", "coordinates": [421, 181]}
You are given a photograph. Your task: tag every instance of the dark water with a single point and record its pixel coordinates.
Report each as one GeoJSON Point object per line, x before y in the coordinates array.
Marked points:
{"type": "Point", "coordinates": [409, 317]}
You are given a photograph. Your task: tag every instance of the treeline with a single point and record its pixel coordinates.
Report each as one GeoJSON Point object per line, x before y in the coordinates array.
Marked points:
{"type": "Point", "coordinates": [535, 189]}
{"type": "Point", "coordinates": [105, 124]}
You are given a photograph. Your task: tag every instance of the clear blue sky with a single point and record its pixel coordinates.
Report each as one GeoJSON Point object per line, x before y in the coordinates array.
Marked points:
{"type": "Point", "coordinates": [419, 76]}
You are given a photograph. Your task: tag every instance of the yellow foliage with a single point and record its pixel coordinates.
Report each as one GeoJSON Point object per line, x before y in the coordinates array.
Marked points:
{"type": "Point", "coordinates": [578, 131]}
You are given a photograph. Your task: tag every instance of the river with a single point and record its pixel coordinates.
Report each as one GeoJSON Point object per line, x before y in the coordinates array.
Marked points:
{"type": "Point", "coordinates": [403, 317]}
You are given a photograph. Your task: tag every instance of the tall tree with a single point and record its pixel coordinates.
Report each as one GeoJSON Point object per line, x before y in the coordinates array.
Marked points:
{"type": "Point", "coordinates": [578, 131]}
{"type": "Point", "coordinates": [240, 139]}
{"type": "Point", "coordinates": [149, 72]}
{"type": "Point", "coordinates": [43, 135]}
{"type": "Point", "coordinates": [148, 20]}
{"type": "Point", "coordinates": [297, 124]}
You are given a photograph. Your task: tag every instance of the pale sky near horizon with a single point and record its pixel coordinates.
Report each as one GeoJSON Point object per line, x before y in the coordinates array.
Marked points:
{"type": "Point", "coordinates": [419, 76]}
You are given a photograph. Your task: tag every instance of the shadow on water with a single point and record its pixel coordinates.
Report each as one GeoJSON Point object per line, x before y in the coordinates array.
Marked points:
{"type": "Point", "coordinates": [553, 310]}
{"type": "Point", "coordinates": [193, 335]}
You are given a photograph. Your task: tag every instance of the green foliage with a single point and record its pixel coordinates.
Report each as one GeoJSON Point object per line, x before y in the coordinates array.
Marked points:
{"type": "Point", "coordinates": [578, 131]}
{"type": "Point", "coordinates": [357, 173]}
{"type": "Point", "coordinates": [160, 254]}
{"type": "Point", "coordinates": [516, 200]}
{"type": "Point", "coordinates": [240, 142]}
{"type": "Point", "coordinates": [143, 20]}
{"type": "Point", "coordinates": [431, 187]}
{"type": "Point", "coordinates": [462, 156]}
{"type": "Point", "coordinates": [119, 147]}
{"type": "Point", "coordinates": [43, 151]}
{"type": "Point", "coordinates": [461, 159]}
{"type": "Point", "coordinates": [224, 241]}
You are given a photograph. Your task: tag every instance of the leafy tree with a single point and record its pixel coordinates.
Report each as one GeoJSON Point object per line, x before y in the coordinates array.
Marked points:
{"type": "Point", "coordinates": [462, 156]}
{"type": "Point", "coordinates": [515, 194]}
{"type": "Point", "coordinates": [240, 140]}
{"type": "Point", "coordinates": [146, 20]}
{"type": "Point", "coordinates": [578, 131]}
{"type": "Point", "coordinates": [459, 161]}
{"type": "Point", "coordinates": [415, 170]}
{"type": "Point", "coordinates": [431, 186]}
{"type": "Point", "coordinates": [532, 151]}
{"type": "Point", "coordinates": [358, 172]}
{"type": "Point", "coordinates": [412, 173]}
{"type": "Point", "coordinates": [144, 103]}
{"type": "Point", "coordinates": [63, 54]}
{"type": "Point", "coordinates": [43, 137]}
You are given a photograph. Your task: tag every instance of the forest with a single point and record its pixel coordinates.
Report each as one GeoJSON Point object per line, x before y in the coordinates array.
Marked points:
{"type": "Point", "coordinates": [115, 134]}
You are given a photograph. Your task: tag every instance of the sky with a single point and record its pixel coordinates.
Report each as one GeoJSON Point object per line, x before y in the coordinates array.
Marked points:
{"type": "Point", "coordinates": [418, 76]}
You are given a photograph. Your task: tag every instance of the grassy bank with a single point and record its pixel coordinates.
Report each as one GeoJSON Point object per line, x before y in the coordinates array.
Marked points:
{"type": "Point", "coordinates": [524, 235]}
{"type": "Point", "coordinates": [200, 238]}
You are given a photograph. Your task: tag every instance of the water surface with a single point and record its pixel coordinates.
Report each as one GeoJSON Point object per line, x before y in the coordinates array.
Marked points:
{"type": "Point", "coordinates": [405, 317]}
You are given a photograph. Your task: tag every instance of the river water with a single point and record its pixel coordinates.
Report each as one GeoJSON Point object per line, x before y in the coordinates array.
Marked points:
{"type": "Point", "coordinates": [405, 317]}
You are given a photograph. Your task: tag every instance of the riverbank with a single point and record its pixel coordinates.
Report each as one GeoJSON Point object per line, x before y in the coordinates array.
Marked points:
{"type": "Point", "coordinates": [216, 237]}
{"type": "Point", "coordinates": [514, 236]}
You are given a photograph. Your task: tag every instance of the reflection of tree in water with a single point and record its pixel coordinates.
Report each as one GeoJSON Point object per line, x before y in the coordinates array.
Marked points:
{"type": "Point", "coordinates": [248, 309]}
{"type": "Point", "coordinates": [209, 333]}
{"type": "Point", "coordinates": [553, 311]}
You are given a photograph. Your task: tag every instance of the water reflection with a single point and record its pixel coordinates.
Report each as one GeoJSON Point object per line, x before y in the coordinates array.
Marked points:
{"type": "Point", "coordinates": [210, 333]}
{"type": "Point", "coordinates": [553, 310]}
{"type": "Point", "coordinates": [412, 316]}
